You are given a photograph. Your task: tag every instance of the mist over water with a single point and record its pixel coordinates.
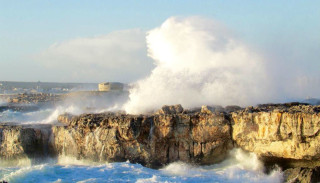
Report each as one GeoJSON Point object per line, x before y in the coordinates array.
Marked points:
{"type": "Point", "coordinates": [198, 61]}
{"type": "Point", "coordinates": [73, 104]}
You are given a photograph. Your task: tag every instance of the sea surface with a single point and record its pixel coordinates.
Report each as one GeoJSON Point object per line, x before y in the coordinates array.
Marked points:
{"type": "Point", "coordinates": [239, 167]}
{"type": "Point", "coordinates": [247, 169]}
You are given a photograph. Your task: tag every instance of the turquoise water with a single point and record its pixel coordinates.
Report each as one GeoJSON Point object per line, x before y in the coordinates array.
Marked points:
{"type": "Point", "coordinates": [240, 167]}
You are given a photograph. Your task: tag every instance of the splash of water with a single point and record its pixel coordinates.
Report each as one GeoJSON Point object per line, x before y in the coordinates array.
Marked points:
{"type": "Point", "coordinates": [43, 116]}
{"type": "Point", "coordinates": [75, 105]}
{"type": "Point", "coordinates": [198, 61]}
{"type": "Point", "coordinates": [240, 167]}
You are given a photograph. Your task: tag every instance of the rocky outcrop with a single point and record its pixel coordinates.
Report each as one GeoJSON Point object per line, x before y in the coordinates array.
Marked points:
{"type": "Point", "coordinates": [283, 134]}
{"type": "Point", "coordinates": [30, 98]}
{"type": "Point", "coordinates": [20, 108]}
{"type": "Point", "coordinates": [302, 175]}
{"type": "Point", "coordinates": [65, 118]}
{"type": "Point", "coordinates": [174, 109]}
{"type": "Point", "coordinates": [23, 142]}
{"type": "Point", "coordinates": [290, 133]}
{"type": "Point", "coordinates": [153, 140]}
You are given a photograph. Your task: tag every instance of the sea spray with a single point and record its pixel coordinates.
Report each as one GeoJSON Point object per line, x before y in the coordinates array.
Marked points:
{"type": "Point", "coordinates": [74, 105]}
{"type": "Point", "coordinates": [240, 167]}
{"type": "Point", "coordinates": [198, 61]}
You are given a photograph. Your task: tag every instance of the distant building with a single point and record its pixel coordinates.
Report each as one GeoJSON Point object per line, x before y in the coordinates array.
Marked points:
{"type": "Point", "coordinates": [111, 86]}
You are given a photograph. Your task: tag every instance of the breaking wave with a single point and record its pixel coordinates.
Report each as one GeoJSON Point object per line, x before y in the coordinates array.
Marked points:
{"type": "Point", "coordinates": [240, 167]}
{"type": "Point", "coordinates": [198, 61]}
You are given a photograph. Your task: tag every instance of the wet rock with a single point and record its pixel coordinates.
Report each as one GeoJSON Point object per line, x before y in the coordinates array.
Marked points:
{"type": "Point", "coordinates": [271, 131]}
{"type": "Point", "coordinates": [302, 175]}
{"type": "Point", "coordinates": [154, 140]}
{"type": "Point", "coordinates": [173, 109]}
{"type": "Point", "coordinates": [207, 109]}
{"type": "Point", "coordinates": [212, 109]}
{"type": "Point", "coordinates": [65, 118]}
{"type": "Point", "coordinates": [29, 142]}
{"type": "Point", "coordinates": [34, 98]}
{"type": "Point", "coordinates": [232, 108]}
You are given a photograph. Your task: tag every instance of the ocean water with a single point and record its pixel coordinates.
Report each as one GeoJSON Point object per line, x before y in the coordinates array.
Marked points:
{"type": "Point", "coordinates": [42, 116]}
{"type": "Point", "coordinates": [239, 167]}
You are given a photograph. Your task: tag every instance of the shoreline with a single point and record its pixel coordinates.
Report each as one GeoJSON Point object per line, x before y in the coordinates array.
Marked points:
{"type": "Point", "coordinates": [282, 134]}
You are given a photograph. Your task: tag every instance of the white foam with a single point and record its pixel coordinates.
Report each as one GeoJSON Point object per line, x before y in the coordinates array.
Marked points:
{"type": "Point", "coordinates": [72, 109]}
{"type": "Point", "coordinates": [21, 172]}
{"type": "Point", "coordinates": [19, 162]}
{"type": "Point", "coordinates": [240, 167]}
{"type": "Point", "coordinates": [57, 181]}
{"type": "Point", "coordinates": [69, 160]}
{"type": "Point", "coordinates": [147, 180]}
{"type": "Point", "coordinates": [210, 66]}
{"type": "Point", "coordinates": [88, 180]}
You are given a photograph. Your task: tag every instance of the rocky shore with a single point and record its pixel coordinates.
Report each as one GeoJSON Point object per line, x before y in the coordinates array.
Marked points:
{"type": "Point", "coordinates": [29, 98]}
{"type": "Point", "coordinates": [282, 134]}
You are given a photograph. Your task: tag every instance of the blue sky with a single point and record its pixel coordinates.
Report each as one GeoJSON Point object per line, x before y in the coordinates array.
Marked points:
{"type": "Point", "coordinates": [287, 31]}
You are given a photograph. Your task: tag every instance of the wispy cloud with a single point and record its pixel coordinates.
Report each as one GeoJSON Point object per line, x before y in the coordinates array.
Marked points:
{"type": "Point", "coordinates": [117, 56]}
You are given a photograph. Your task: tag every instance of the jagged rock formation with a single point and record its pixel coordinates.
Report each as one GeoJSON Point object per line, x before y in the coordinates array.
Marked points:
{"type": "Point", "coordinates": [302, 175]}
{"type": "Point", "coordinates": [285, 134]}
{"type": "Point", "coordinates": [23, 142]}
{"type": "Point", "coordinates": [279, 131]}
{"type": "Point", "coordinates": [153, 140]}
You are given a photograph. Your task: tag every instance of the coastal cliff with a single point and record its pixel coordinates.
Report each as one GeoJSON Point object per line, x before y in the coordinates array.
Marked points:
{"type": "Point", "coordinates": [283, 134]}
{"type": "Point", "coordinates": [279, 131]}
{"type": "Point", "coordinates": [153, 140]}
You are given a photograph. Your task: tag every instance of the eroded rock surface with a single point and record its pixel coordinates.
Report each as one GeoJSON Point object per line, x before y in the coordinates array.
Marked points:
{"type": "Point", "coordinates": [302, 175]}
{"type": "Point", "coordinates": [24, 142]}
{"type": "Point", "coordinates": [279, 131]}
{"type": "Point", "coordinates": [153, 140]}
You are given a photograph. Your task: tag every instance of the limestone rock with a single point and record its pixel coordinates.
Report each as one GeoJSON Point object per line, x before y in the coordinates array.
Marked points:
{"type": "Point", "coordinates": [150, 140]}
{"type": "Point", "coordinates": [174, 109]}
{"type": "Point", "coordinates": [232, 108]}
{"type": "Point", "coordinates": [29, 142]}
{"type": "Point", "coordinates": [302, 175]}
{"type": "Point", "coordinates": [279, 131]}
{"type": "Point", "coordinates": [65, 118]}
{"type": "Point", "coordinates": [211, 109]}
{"type": "Point", "coordinates": [207, 109]}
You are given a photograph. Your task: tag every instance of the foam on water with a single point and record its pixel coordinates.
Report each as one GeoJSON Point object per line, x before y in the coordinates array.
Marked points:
{"type": "Point", "coordinates": [69, 160]}
{"type": "Point", "coordinates": [2, 102]}
{"type": "Point", "coordinates": [240, 167]}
